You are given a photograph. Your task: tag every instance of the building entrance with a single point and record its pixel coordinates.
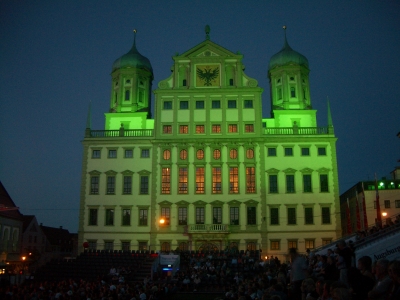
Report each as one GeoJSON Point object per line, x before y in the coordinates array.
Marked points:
{"type": "Point", "coordinates": [208, 246]}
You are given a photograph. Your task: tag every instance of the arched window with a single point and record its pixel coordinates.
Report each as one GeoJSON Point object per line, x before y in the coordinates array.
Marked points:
{"type": "Point", "coordinates": [251, 246]}
{"type": "Point", "coordinates": [200, 154]}
{"type": "Point", "coordinates": [183, 246]}
{"type": "Point", "coordinates": [167, 154]}
{"type": "Point", "coordinates": [127, 95]}
{"type": "Point", "coordinates": [250, 153]}
{"type": "Point", "coordinates": [233, 153]}
{"type": "Point", "coordinates": [165, 247]}
{"type": "Point", "coordinates": [183, 154]}
{"type": "Point", "coordinates": [217, 154]}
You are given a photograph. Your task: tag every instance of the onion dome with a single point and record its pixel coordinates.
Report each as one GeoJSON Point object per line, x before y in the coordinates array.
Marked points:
{"type": "Point", "coordinates": [286, 56]}
{"type": "Point", "coordinates": [132, 59]}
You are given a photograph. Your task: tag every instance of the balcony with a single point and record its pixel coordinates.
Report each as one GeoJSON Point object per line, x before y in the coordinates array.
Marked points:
{"type": "Point", "coordinates": [298, 130]}
{"type": "Point", "coordinates": [205, 228]}
{"type": "Point", "coordinates": [119, 133]}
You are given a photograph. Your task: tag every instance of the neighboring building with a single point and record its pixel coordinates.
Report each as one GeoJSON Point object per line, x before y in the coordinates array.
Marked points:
{"type": "Point", "coordinates": [60, 243]}
{"type": "Point", "coordinates": [389, 200]}
{"type": "Point", "coordinates": [209, 166]}
{"type": "Point", "coordinates": [10, 228]}
{"type": "Point", "coordinates": [33, 238]}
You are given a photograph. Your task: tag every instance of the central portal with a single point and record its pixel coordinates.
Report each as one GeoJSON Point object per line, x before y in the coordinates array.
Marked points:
{"type": "Point", "coordinates": [208, 246]}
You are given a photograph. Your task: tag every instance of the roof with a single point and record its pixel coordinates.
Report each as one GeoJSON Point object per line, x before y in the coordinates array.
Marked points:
{"type": "Point", "coordinates": [8, 209]}
{"type": "Point", "coordinates": [27, 221]}
{"type": "Point", "coordinates": [55, 235]}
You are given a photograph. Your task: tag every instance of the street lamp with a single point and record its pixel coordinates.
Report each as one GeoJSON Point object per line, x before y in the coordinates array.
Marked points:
{"type": "Point", "coordinates": [384, 214]}
{"type": "Point", "coordinates": [162, 221]}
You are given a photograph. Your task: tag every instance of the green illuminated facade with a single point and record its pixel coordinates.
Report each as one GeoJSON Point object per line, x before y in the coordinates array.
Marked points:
{"type": "Point", "coordinates": [208, 164]}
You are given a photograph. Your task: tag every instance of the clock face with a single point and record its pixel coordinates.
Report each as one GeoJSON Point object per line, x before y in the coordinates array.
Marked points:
{"type": "Point", "coordinates": [207, 75]}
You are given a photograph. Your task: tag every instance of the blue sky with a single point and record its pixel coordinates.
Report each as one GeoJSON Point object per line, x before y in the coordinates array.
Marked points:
{"type": "Point", "coordinates": [56, 56]}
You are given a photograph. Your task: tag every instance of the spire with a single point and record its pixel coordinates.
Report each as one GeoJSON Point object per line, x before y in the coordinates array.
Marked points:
{"type": "Point", "coordinates": [133, 49]}
{"type": "Point", "coordinates": [285, 44]}
{"type": "Point", "coordinates": [207, 30]}
{"type": "Point", "coordinates": [89, 121]}
{"type": "Point", "coordinates": [330, 123]}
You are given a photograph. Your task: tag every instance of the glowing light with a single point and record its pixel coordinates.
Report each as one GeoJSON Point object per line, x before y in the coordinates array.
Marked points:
{"type": "Point", "coordinates": [384, 214]}
{"type": "Point", "coordinates": [23, 257]}
{"type": "Point", "coordinates": [381, 184]}
{"type": "Point", "coordinates": [162, 221]}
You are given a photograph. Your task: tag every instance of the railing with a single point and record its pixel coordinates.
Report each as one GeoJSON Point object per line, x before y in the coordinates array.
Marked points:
{"type": "Point", "coordinates": [119, 133]}
{"type": "Point", "coordinates": [208, 228]}
{"type": "Point", "coordinates": [298, 130]}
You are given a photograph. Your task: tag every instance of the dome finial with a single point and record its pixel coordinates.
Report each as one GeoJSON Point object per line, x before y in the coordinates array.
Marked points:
{"type": "Point", "coordinates": [207, 30]}
{"type": "Point", "coordinates": [285, 44]}
{"type": "Point", "coordinates": [134, 36]}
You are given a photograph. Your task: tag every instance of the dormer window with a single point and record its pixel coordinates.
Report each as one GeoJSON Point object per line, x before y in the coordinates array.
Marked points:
{"type": "Point", "coordinates": [293, 92]}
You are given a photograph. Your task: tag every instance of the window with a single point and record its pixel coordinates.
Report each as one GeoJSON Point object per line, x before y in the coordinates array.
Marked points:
{"type": "Point", "coordinates": [231, 82]}
{"type": "Point", "coordinates": [251, 246]}
{"type": "Point", "coordinates": [250, 153]}
{"type": "Point", "coordinates": [93, 216]}
{"type": "Point", "coordinates": [200, 104]}
{"type": "Point", "coordinates": [126, 246]}
{"type": "Point", "coordinates": [275, 245]}
{"type": "Point", "coordinates": [273, 184]}
{"type": "Point", "coordinates": [216, 128]}
{"type": "Point", "coordinates": [216, 180]}
{"type": "Point", "coordinates": [165, 247]}
{"type": "Point", "coordinates": [143, 217]}
{"type": "Point", "coordinates": [217, 154]}
{"type": "Point", "coordinates": [112, 153]}
{"type": "Point", "coordinates": [167, 129]}
{"type": "Point", "coordinates": [200, 180]}
{"type": "Point", "coordinates": [184, 104]}
{"type": "Point", "coordinates": [321, 151]}
{"type": "Point", "coordinates": [142, 246]}
{"type": "Point", "coordinates": [248, 103]}
{"type": "Point", "coordinates": [92, 245]}
{"type": "Point", "coordinates": [110, 185]}
{"type": "Point", "coordinates": [217, 215]}
{"type": "Point", "coordinates": [271, 151]}
{"type": "Point", "coordinates": [199, 215]}
{"type": "Point", "coordinates": [126, 217]}
{"type": "Point", "coordinates": [216, 104]}
{"type": "Point", "coordinates": [183, 179]}
{"type": "Point", "coordinates": [279, 92]}
{"type": "Point", "coordinates": [250, 180]}
{"type": "Point", "coordinates": [251, 215]}
{"type": "Point", "coordinates": [109, 217]}
{"type": "Point", "coordinates": [234, 215]}
{"type": "Point", "coordinates": [288, 151]}
{"type": "Point", "coordinates": [233, 153]}
{"type": "Point", "coordinates": [292, 244]}
{"type": "Point", "coordinates": [96, 153]}
{"type": "Point", "coordinates": [127, 185]}
{"type": "Point", "coordinates": [290, 184]}
{"type": "Point", "coordinates": [291, 211]}
{"type": "Point", "coordinates": [184, 82]}
{"type": "Point", "coordinates": [182, 215]}
{"type": "Point", "coordinates": [305, 151]}
{"type": "Point", "coordinates": [166, 215]}
{"type": "Point", "coordinates": [232, 128]}
{"type": "Point", "coordinates": [323, 181]}
{"type": "Point", "coordinates": [94, 185]}
{"type": "Point", "coordinates": [248, 128]}
{"type": "Point", "coordinates": [183, 154]}
{"type": "Point", "coordinates": [326, 241]}
{"type": "Point", "coordinates": [109, 246]}
{"type": "Point", "coordinates": [309, 243]}
{"type": "Point", "coordinates": [326, 215]}
{"type": "Point", "coordinates": [199, 129]}
{"type": "Point", "coordinates": [166, 154]}
{"type": "Point", "coordinates": [128, 153]}
{"type": "Point", "coordinates": [387, 203]}
{"type": "Point", "coordinates": [308, 216]}
{"type": "Point", "coordinates": [145, 153]}
{"type": "Point", "coordinates": [165, 181]}
{"type": "Point", "coordinates": [292, 92]}
{"type": "Point", "coordinates": [127, 94]}
{"type": "Point", "coordinates": [144, 184]}
{"type": "Point", "coordinates": [233, 180]}
{"type": "Point", "coordinates": [274, 211]}
{"type": "Point", "coordinates": [231, 103]}
{"type": "Point", "coordinates": [307, 188]}
{"type": "Point", "coordinates": [397, 203]}
{"type": "Point", "coordinates": [183, 129]}
{"type": "Point", "coordinates": [183, 246]}
{"type": "Point", "coordinates": [167, 104]}
{"type": "Point", "coordinates": [200, 154]}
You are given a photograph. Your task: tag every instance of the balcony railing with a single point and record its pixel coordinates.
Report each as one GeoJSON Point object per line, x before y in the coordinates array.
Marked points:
{"type": "Point", "coordinates": [298, 130]}
{"type": "Point", "coordinates": [208, 228]}
{"type": "Point", "coordinates": [119, 133]}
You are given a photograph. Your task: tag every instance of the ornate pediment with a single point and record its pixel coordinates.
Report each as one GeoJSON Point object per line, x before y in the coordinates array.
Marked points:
{"type": "Point", "coordinates": [323, 170]}
{"type": "Point", "coordinates": [289, 171]}
{"type": "Point", "coordinates": [272, 171]}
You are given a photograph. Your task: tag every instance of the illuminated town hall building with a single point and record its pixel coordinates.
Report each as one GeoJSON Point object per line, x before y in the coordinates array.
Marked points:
{"type": "Point", "coordinates": [208, 171]}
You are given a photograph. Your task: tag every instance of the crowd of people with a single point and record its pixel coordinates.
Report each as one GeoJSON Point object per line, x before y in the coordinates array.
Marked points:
{"type": "Point", "coordinates": [242, 276]}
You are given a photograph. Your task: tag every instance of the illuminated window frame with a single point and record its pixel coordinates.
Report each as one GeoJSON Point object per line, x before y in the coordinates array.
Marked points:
{"type": "Point", "coordinates": [250, 180]}
{"type": "Point", "coordinates": [233, 180]}
{"type": "Point", "coordinates": [183, 180]}
{"type": "Point", "coordinates": [183, 129]}
{"type": "Point", "coordinates": [200, 129]}
{"type": "Point", "coordinates": [200, 181]}
{"type": "Point", "coordinates": [217, 180]}
{"type": "Point", "coordinates": [166, 180]}
{"type": "Point", "coordinates": [216, 128]}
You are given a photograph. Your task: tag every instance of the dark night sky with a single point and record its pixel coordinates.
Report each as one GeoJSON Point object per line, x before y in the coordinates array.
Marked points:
{"type": "Point", "coordinates": [56, 56]}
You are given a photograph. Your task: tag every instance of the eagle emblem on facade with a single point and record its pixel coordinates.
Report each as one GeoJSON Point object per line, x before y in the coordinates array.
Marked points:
{"type": "Point", "coordinates": [207, 75]}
